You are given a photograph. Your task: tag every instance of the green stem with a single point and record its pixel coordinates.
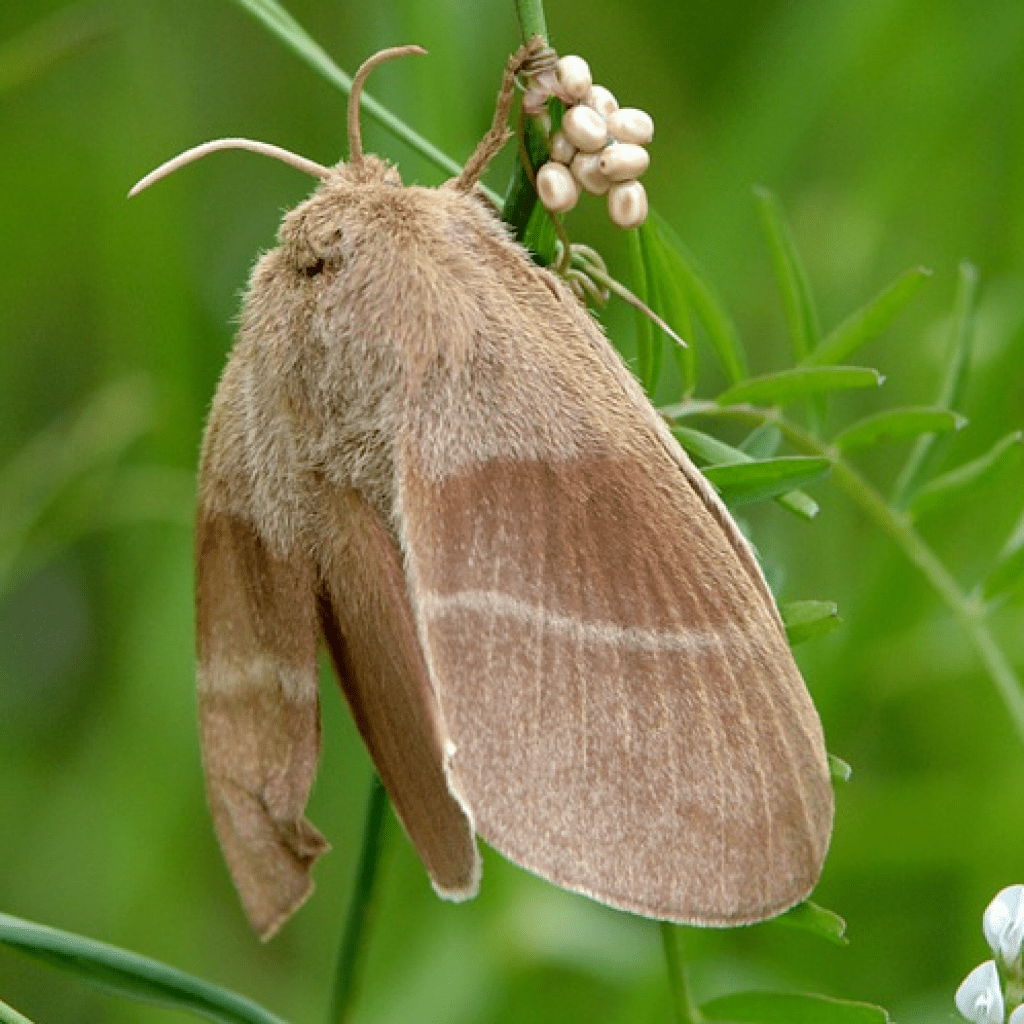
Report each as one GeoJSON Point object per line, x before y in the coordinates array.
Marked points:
{"type": "Point", "coordinates": [684, 1008]}
{"type": "Point", "coordinates": [361, 909]}
{"type": "Point", "coordinates": [969, 614]}
{"type": "Point", "coordinates": [531, 19]}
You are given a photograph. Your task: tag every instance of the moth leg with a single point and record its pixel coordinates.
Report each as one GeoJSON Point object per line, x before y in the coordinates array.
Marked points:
{"type": "Point", "coordinates": [370, 631]}
{"type": "Point", "coordinates": [259, 711]}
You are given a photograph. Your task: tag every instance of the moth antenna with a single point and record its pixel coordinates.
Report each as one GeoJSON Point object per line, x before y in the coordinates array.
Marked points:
{"type": "Point", "coordinates": [355, 140]}
{"type": "Point", "coordinates": [300, 163]}
{"type": "Point", "coordinates": [490, 145]}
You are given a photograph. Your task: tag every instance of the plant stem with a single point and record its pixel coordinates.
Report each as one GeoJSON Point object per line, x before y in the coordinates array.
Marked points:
{"type": "Point", "coordinates": [531, 19]}
{"type": "Point", "coordinates": [968, 613]}
{"type": "Point", "coordinates": [361, 909]}
{"type": "Point", "coordinates": [683, 1006]}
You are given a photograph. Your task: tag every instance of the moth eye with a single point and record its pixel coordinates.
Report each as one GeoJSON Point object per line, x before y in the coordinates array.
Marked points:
{"type": "Point", "coordinates": [317, 267]}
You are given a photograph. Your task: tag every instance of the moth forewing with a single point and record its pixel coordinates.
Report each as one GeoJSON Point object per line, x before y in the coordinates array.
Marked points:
{"type": "Point", "coordinates": [623, 713]}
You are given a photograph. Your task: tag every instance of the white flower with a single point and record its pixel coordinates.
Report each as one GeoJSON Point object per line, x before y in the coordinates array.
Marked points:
{"type": "Point", "coordinates": [1004, 923]}
{"type": "Point", "coordinates": [1017, 1017]}
{"type": "Point", "coordinates": [980, 999]}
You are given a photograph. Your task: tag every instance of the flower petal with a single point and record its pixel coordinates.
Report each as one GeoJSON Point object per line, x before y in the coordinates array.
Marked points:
{"type": "Point", "coordinates": [979, 998]}
{"type": "Point", "coordinates": [1004, 922]}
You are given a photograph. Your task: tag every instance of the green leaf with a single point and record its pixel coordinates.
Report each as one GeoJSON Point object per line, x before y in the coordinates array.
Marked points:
{"type": "Point", "coordinates": [946, 490]}
{"type": "Point", "coordinates": [898, 423]}
{"type": "Point", "coordinates": [868, 321]}
{"type": "Point", "coordinates": [744, 483]}
{"type": "Point", "coordinates": [281, 24]}
{"type": "Point", "coordinates": [789, 272]}
{"type": "Point", "coordinates": [809, 917]}
{"type": "Point", "coordinates": [839, 769]}
{"type": "Point", "coordinates": [1007, 576]}
{"type": "Point", "coordinates": [9, 1015]}
{"type": "Point", "coordinates": [709, 450]}
{"type": "Point", "coordinates": [669, 299]}
{"type": "Point", "coordinates": [645, 340]}
{"type": "Point", "coordinates": [805, 620]}
{"type": "Point", "coordinates": [763, 442]}
{"type": "Point", "coordinates": [540, 238]}
{"type": "Point", "coordinates": [130, 974]}
{"type": "Point", "coordinates": [704, 301]}
{"type": "Point", "coordinates": [791, 1008]}
{"type": "Point", "coordinates": [801, 382]}
{"type": "Point", "coordinates": [929, 451]}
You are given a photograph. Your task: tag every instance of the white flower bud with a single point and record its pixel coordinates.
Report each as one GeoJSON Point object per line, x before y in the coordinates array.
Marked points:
{"type": "Point", "coordinates": [1003, 923]}
{"type": "Point", "coordinates": [585, 129]}
{"type": "Point", "coordinates": [624, 161]}
{"type": "Point", "coordinates": [585, 168]}
{"type": "Point", "coordinates": [601, 100]}
{"type": "Point", "coordinates": [574, 77]}
{"type": "Point", "coordinates": [631, 125]}
{"type": "Point", "coordinates": [627, 204]}
{"type": "Point", "coordinates": [562, 149]}
{"type": "Point", "coordinates": [979, 998]}
{"type": "Point", "coordinates": [1017, 1017]}
{"type": "Point", "coordinates": [557, 188]}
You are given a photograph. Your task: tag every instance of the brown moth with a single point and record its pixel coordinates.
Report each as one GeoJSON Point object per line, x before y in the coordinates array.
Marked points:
{"type": "Point", "coordinates": [550, 632]}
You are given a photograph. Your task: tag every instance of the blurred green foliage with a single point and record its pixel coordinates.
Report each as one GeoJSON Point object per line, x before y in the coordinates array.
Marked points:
{"type": "Point", "coordinates": [892, 133]}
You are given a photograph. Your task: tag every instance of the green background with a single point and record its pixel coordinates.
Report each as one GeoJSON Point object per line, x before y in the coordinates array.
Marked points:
{"type": "Point", "coordinates": [892, 132]}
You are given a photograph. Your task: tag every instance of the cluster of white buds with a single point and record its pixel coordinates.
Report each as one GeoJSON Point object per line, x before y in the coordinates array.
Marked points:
{"type": "Point", "coordinates": [998, 985]}
{"type": "Point", "coordinates": [599, 147]}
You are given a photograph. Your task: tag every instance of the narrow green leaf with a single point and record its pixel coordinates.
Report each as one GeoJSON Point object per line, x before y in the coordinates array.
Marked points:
{"type": "Point", "coordinates": [644, 328]}
{"type": "Point", "coordinates": [789, 272]}
{"type": "Point", "coordinates": [898, 423]}
{"type": "Point", "coordinates": [275, 18]}
{"type": "Point", "coordinates": [747, 482]}
{"type": "Point", "coordinates": [709, 450]}
{"type": "Point", "coordinates": [805, 620]}
{"type": "Point", "coordinates": [1007, 575]}
{"type": "Point", "coordinates": [763, 442]}
{"type": "Point", "coordinates": [868, 321]}
{"type": "Point", "coordinates": [130, 974]}
{"type": "Point", "coordinates": [669, 300]}
{"type": "Point", "coordinates": [791, 1008]}
{"type": "Point", "coordinates": [809, 917]}
{"type": "Point", "coordinates": [704, 301]}
{"type": "Point", "coordinates": [540, 238]}
{"type": "Point", "coordinates": [9, 1015]}
{"type": "Point", "coordinates": [945, 490]}
{"type": "Point", "coordinates": [801, 382]}
{"type": "Point", "coordinates": [838, 769]}
{"type": "Point", "coordinates": [928, 452]}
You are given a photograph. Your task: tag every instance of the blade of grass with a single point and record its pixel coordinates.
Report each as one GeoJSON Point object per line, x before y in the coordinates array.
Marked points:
{"type": "Point", "coordinates": [809, 917]}
{"type": "Point", "coordinates": [1007, 574]}
{"type": "Point", "coordinates": [927, 454]}
{"type": "Point", "coordinates": [709, 451]}
{"type": "Point", "coordinates": [868, 321]}
{"type": "Point", "coordinates": [958, 483]}
{"type": "Point", "coordinates": [130, 974]}
{"type": "Point", "coordinates": [749, 482]}
{"type": "Point", "coordinates": [805, 620]}
{"type": "Point", "coordinates": [801, 316]}
{"type": "Point", "coordinates": [669, 300]}
{"type": "Point", "coordinates": [704, 302]}
{"type": "Point", "coordinates": [645, 360]}
{"type": "Point", "coordinates": [911, 421]}
{"type": "Point", "coordinates": [362, 908]}
{"type": "Point", "coordinates": [800, 382]}
{"type": "Point", "coordinates": [275, 18]}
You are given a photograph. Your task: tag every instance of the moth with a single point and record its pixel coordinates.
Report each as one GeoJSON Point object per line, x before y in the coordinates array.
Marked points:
{"type": "Point", "coordinates": [424, 452]}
